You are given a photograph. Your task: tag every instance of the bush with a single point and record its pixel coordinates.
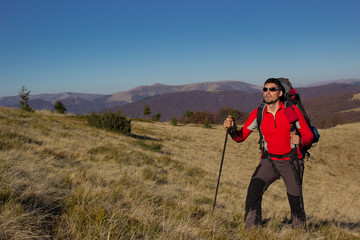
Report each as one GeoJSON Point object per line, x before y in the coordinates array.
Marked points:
{"type": "Point", "coordinates": [207, 124]}
{"type": "Point", "coordinates": [174, 121]}
{"type": "Point", "coordinates": [156, 117]}
{"type": "Point", "coordinates": [115, 122]}
{"type": "Point", "coordinates": [59, 107]}
{"type": "Point", "coordinates": [197, 117]}
{"type": "Point", "coordinates": [222, 113]}
{"type": "Point", "coordinates": [202, 117]}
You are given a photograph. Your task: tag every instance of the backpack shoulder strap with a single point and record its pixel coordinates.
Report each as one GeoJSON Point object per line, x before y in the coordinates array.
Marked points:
{"type": "Point", "coordinates": [259, 118]}
{"type": "Point", "coordinates": [260, 114]}
{"type": "Point", "coordinates": [302, 109]}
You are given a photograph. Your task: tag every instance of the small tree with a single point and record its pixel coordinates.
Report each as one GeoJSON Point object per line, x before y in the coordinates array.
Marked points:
{"type": "Point", "coordinates": [207, 124]}
{"type": "Point", "coordinates": [233, 113]}
{"type": "Point", "coordinates": [147, 111]}
{"type": "Point", "coordinates": [188, 115]}
{"type": "Point", "coordinates": [24, 94]}
{"type": "Point", "coordinates": [59, 107]}
{"type": "Point", "coordinates": [174, 121]}
{"type": "Point", "coordinates": [156, 117]}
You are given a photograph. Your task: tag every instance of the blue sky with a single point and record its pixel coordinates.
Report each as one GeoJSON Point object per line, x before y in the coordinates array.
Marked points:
{"type": "Point", "coordinates": [106, 46]}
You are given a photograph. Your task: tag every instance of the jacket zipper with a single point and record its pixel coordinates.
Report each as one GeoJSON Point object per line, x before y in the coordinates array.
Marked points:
{"type": "Point", "coordinates": [275, 122]}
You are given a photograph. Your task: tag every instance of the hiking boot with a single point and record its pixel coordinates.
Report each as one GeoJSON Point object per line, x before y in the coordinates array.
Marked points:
{"type": "Point", "coordinates": [252, 220]}
{"type": "Point", "coordinates": [297, 223]}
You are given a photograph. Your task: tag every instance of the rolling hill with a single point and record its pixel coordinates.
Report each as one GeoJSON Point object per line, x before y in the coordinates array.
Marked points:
{"type": "Point", "coordinates": [326, 105]}
{"type": "Point", "coordinates": [142, 92]}
{"type": "Point", "coordinates": [61, 179]}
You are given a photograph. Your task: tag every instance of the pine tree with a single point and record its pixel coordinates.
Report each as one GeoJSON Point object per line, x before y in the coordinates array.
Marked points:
{"type": "Point", "coordinates": [147, 111]}
{"type": "Point", "coordinates": [24, 94]}
{"type": "Point", "coordinates": [156, 117]}
{"type": "Point", "coordinates": [189, 114]}
{"type": "Point", "coordinates": [174, 121]}
{"type": "Point", "coordinates": [59, 107]}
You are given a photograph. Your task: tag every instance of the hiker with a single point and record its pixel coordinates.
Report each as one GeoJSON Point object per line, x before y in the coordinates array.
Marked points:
{"type": "Point", "coordinates": [280, 144]}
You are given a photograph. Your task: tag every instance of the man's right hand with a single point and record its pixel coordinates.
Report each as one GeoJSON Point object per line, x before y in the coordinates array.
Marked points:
{"type": "Point", "coordinates": [229, 123]}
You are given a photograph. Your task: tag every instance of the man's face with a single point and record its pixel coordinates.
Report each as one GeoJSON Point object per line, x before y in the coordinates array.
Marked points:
{"type": "Point", "coordinates": [271, 95]}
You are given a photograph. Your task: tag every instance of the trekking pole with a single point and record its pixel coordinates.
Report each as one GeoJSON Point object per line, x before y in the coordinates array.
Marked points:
{"type": "Point", "coordinates": [301, 186]}
{"type": "Point", "coordinates": [221, 164]}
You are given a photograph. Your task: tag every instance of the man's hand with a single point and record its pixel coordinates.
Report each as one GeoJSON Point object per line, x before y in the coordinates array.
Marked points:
{"type": "Point", "coordinates": [295, 139]}
{"type": "Point", "coordinates": [229, 123]}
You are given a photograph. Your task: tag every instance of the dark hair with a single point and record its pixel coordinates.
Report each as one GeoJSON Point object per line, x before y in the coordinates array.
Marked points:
{"type": "Point", "coordinates": [279, 86]}
{"type": "Point", "coordinates": [277, 82]}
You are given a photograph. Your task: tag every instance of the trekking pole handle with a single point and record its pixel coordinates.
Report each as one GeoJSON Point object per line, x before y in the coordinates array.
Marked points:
{"type": "Point", "coordinates": [230, 127]}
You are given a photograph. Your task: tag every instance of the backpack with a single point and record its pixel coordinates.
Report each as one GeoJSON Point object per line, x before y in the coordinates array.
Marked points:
{"type": "Point", "coordinates": [290, 98]}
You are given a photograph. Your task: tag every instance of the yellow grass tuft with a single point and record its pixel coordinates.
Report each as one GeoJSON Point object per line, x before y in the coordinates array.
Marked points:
{"type": "Point", "coordinates": [61, 179]}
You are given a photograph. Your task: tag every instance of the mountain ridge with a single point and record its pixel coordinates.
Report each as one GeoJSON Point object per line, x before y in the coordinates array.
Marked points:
{"type": "Point", "coordinates": [83, 103]}
{"type": "Point", "coordinates": [144, 91]}
{"type": "Point", "coordinates": [80, 103]}
{"type": "Point", "coordinates": [354, 81]}
{"type": "Point", "coordinates": [321, 103]}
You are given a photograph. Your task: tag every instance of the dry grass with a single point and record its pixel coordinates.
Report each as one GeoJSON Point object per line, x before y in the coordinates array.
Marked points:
{"type": "Point", "coordinates": [61, 179]}
{"type": "Point", "coordinates": [356, 96]}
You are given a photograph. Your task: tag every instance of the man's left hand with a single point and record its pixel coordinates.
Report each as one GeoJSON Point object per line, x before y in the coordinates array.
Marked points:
{"type": "Point", "coordinates": [295, 139]}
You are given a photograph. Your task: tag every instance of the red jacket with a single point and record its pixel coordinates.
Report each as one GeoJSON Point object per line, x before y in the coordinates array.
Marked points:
{"type": "Point", "coordinates": [276, 130]}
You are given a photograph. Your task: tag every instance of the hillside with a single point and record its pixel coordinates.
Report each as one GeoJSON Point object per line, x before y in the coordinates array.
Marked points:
{"type": "Point", "coordinates": [61, 179]}
{"type": "Point", "coordinates": [175, 104]}
{"type": "Point", "coordinates": [327, 112]}
{"type": "Point", "coordinates": [327, 105]}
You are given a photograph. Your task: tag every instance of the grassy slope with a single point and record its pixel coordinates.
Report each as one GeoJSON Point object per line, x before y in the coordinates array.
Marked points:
{"type": "Point", "coordinates": [60, 179]}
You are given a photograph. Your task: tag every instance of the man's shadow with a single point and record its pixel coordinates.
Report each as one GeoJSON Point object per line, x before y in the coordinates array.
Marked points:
{"type": "Point", "coordinates": [344, 225]}
{"type": "Point", "coordinates": [316, 225]}
{"type": "Point", "coordinates": [143, 137]}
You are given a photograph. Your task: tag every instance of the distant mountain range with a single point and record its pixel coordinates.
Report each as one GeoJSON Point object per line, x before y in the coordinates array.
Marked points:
{"type": "Point", "coordinates": [345, 81]}
{"type": "Point", "coordinates": [173, 101]}
{"type": "Point", "coordinates": [335, 98]}
{"type": "Point", "coordinates": [142, 92]}
{"type": "Point", "coordinates": [81, 103]}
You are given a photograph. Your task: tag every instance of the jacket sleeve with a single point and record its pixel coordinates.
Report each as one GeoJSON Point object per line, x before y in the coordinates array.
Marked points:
{"type": "Point", "coordinates": [244, 132]}
{"type": "Point", "coordinates": [305, 132]}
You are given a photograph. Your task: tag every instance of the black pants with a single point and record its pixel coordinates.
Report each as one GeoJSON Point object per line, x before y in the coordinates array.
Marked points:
{"type": "Point", "coordinates": [266, 173]}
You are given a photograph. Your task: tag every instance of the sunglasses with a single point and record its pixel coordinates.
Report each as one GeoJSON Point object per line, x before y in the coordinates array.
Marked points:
{"type": "Point", "coordinates": [272, 89]}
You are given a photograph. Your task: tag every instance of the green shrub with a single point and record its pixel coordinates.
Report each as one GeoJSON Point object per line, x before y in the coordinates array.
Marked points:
{"type": "Point", "coordinates": [113, 121]}
{"type": "Point", "coordinates": [207, 124]}
{"type": "Point", "coordinates": [174, 121]}
{"type": "Point", "coordinates": [59, 107]}
{"type": "Point", "coordinates": [147, 111]}
{"type": "Point", "coordinates": [156, 117]}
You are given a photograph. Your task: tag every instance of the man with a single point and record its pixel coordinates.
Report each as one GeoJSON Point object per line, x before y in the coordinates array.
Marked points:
{"type": "Point", "coordinates": [278, 150]}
